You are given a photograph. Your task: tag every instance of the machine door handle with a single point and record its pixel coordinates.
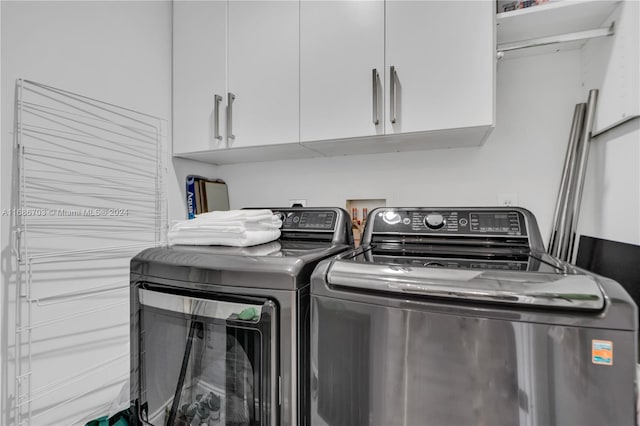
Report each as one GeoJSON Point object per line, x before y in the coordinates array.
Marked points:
{"type": "Point", "coordinates": [374, 90]}
{"type": "Point", "coordinates": [230, 98]}
{"type": "Point", "coordinates": [216, 117]}
{"type": "Point", "coordinates": [546, 290]}
{"type": "Point", "coordinates": [206, 308]}
{"type": "Point", "coordinates": [392, 94]}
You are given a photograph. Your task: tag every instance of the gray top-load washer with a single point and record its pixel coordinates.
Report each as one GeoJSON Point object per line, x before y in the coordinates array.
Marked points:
{"type": "Point", "coordinates": [220, 334]}
{"type": "Point", "coordinates": [458, 316]}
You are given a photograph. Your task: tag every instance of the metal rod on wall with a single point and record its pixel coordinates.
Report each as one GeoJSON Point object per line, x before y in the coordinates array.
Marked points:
{"type": "Point", "coordinates": [582, 169]}
{"type": "Point", "coordinates": [563, 200]}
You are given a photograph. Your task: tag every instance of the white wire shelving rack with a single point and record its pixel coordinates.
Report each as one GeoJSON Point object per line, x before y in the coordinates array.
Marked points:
{"type": "Point", "coordinates": [91, 194]}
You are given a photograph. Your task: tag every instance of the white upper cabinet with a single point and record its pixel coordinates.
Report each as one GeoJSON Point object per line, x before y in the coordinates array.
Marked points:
{"type": "Point", "coordinates": [443, 54]}
{"type": "Point", "coordinates": [341, 69]}
{"type": "Point", "coordinates": [200, 70]}
{"type": "Point", "coordinates": [263, 61]}
{"type": "Point", "coordinates": [304, 78]}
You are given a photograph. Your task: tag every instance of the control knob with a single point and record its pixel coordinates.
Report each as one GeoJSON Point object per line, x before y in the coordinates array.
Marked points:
{"type": "Point", "coordinates": [434, 221]}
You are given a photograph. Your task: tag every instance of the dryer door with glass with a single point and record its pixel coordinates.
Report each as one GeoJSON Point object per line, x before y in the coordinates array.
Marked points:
{"type": "Point", "coordinates": [206, 361]}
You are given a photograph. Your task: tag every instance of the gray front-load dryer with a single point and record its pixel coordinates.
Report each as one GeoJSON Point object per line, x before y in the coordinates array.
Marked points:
{"type": "Point", "coordinates": [456, 316]}
{"type": "Point", "coordinates": [219, 335]}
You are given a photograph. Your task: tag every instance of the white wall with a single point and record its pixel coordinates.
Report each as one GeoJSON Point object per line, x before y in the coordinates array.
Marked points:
{"type": "Point", "coordinates": [611, 203]}
{"type": "Point", "coordinates": [523, 156]}
{"type": "Point", "coordinates": [612, 65]}
{"type": "Point", "coordinates": [118, 52]}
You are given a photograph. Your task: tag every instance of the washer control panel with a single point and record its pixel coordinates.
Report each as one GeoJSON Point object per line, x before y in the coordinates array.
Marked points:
{"type": "Point", "coordinates": [308, 220]}
{"type": "Point", "coordinates": [499, 222]}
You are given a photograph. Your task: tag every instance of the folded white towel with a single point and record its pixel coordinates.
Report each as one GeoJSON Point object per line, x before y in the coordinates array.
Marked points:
{"type": "Point", "coordinates": [220, 220]}
{"type": "Point", "coordinates": [242, 239]}
{"type": "Point", "coordinates": [244, 216]}
{"type": "Point", "coordinates": [192, 225]}
{"type": "Point", "coordinates": [237, 228]}
{"type": "Point", "coordinates": [272, 249]}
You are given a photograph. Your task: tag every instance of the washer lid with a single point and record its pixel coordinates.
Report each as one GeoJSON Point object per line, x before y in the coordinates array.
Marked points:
{"type": "Point", "coordinates": [534, 289]}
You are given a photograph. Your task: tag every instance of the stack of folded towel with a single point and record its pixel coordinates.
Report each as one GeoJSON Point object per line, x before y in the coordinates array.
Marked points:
{"type": "Point", "coordinates": [237, 228]}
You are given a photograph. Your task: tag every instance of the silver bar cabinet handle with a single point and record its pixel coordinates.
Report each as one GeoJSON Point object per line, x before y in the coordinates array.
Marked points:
{"type": "Point", "coordinates": [230, 98]}
{"type": "Point", "coordinates": [374, 90]}
{"type": "Point", "coordinates": [216, 117]}
{"type": "Point", "coordinates": [392, 94]}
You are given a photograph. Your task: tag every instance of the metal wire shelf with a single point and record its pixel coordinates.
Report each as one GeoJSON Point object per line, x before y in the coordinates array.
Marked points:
{"type": "Point", "coordinates": [78, 158]}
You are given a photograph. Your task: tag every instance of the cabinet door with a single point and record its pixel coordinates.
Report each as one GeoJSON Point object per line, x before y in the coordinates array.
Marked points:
{"type": "Point", "coordinates": [199, 73]}
{"type": "Point", "coordinates": [341, 44]}
{"type": "Point", "coordinates": [444, 55]}
{"type": "Point", "coordinates": [263, 72]}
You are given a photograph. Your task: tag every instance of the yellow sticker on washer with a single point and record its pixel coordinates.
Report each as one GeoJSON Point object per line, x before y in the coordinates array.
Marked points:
{"type": "Point", "coordinates": [602, 352]}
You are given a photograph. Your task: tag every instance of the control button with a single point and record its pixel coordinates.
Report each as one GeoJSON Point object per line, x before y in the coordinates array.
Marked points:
{"type": "Point", "coordinates": [406, 221]}
{"type": "Point", "coordinates": [391, 217]}
{"type": "Point", "coordinates": [281, 216]}
{"type": "Point", "coordinates": [463, 222]}
{"type": "Point", "coordinates": [434, 221]}
{"type": "Point", "coordinates": [296, 219]}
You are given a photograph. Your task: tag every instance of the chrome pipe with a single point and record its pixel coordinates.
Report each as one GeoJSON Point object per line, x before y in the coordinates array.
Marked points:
{"type": "Point", "coordinates": [562, 201]}
{"type": "Point", "coordinates": [581, 170]}
{"type": "Point", "coordinates": [556, 39]}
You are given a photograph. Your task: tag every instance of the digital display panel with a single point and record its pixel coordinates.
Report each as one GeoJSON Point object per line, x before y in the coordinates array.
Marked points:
{"type": "Point", "coordinates": [495, 222]}
{"type": "Point", "coordinates": [316, 220]}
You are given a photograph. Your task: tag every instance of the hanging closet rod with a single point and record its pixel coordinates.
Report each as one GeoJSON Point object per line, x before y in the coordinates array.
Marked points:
{"type": "Point", "coordinates": [562, 38]}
